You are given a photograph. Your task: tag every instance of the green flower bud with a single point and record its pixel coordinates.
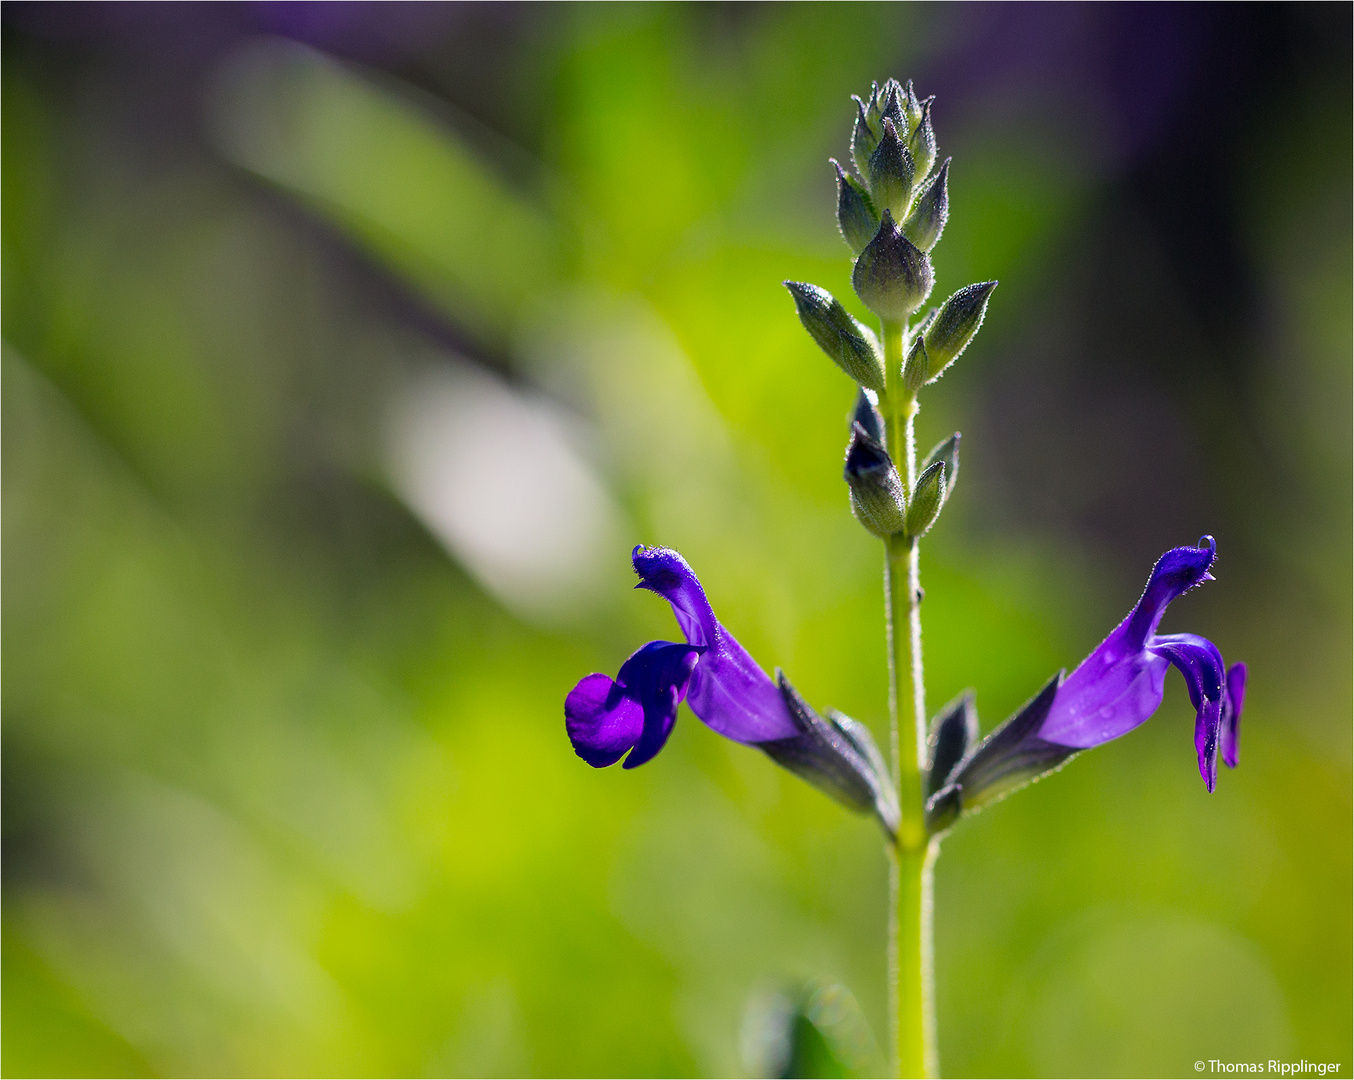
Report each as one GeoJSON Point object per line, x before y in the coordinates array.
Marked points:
{"type": "Point", "coordinates": [879, 95]}
{"type": "Point", "coordinates": [892, 276]}
{"type": "Point", "coordinates": [877, 493]}
{"type": "Point", "coordinates": [948, 452]}
{"type": "Point", "coordinates": [917, 366]}
{"type": "Point", "coordinates": [864, 138]}
{"type": "Point", "coordinates": [848, 344]}
{"type": "Point", "coordinates": [890, 172]}
{"type": "Point", "coordinates": [855, 213]}
{"type": "Point", "coordinates": [927, 498]}
{"type": "Point", "coordinates": [891, 97]}
{"type": "Point", "coordinates": [959, 319]}
{"type": "Point", "coordinates": [931, 210]}
{"type": "Point", "coordinates": [921, 144]}
{"type": "Point", "coordinates": [912, 108]}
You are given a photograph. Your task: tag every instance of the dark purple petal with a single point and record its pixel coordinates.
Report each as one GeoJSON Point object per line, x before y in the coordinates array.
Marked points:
{"type": "Point", "coordinates": [1175, 573]}
{"type": "Point", "coordinates": [1199, 661]}
{"type": "Point", "coordinates": [1231, 714]}
{"type": "Point", "coordinates": [657, 675]}
{"type": "Point", "coordinates": [727, 691]}
{"type": "Point", "coordinates": [605, 717]}
{"type": "Point", "coordinates": [602, 722]}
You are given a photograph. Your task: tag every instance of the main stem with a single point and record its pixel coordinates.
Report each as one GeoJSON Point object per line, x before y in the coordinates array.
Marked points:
{"type": "Point", "coordinates": [911, 961]}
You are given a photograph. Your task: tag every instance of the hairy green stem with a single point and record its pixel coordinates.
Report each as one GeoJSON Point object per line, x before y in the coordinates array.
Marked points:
{"type": "Point", "coordinates": [910, 949]}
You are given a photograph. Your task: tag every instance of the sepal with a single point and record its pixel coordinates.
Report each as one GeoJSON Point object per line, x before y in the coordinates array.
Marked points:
{"type": "Point", "coordinates": [851, 346]}
{"type": "Point", "coordinates": [931, 210]}
{"type": "Point", "coordinates": [943, 809]}
{"type": "Point", "coordinates": [1013, 755]}
{"type": "Point", "coordinates": [838, 757]}
{"type": "Point", "coordinates": [878, 497]}
{"type": "Point", "coordinates": [948, 452]}
{"type": "Point", "coordinates": [928, 496]}
{"type": "Point", "coordinates": [954, 730]}
{"type": "Point", "coordinates": [922, 142]}
{"type": "Point", "coordinates": [911, 106]}
{"type": "Point", "coordinates": [953, 328]}
{"type": "Point", "coordinates": [893, 277]}
{"type": "Point", "coordinates": [856, 217]}
{"type": "Point", "coordinates": [917, 366]}
{"type": "Point", "coordinates": [864, 136]}
{"type": "Point", "coordinates": [892, 107]}
{"type": "Point", "coordinates": [892, 171]}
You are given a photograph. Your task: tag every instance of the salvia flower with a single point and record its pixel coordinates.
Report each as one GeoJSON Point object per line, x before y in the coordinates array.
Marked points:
{"type": "Point", "coordinates": [724, 686]}
{"type": "Point", "coordinates": [1110, 693]}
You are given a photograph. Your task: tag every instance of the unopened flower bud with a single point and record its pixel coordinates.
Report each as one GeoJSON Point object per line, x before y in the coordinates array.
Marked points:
{"type": "Point", "coordinates": [893, 276]}
{"type": "Point", "coordinates": [855, 213]}
{"type": "Point", "coordinates": [921, 144]}
{"type": "Point", "coordinates": [877, 496]}
{"type": "Point", "coordinates": [912, 108]}
{"type": "Point", "coordinates": [948, 452]}
{"type": "Point", "coordinates": [867, 415]}
{"type": "Point", "coordinates": [953, 731]}
{"type": "Point", "coordinates": [931, 210]}
{"type": "Point", "coordinates": [851, 346]}
{"type": "Point", "coordinates": [875, 101]}
{"type": "Point", "coordinates": [864, 138]}
{"type": "Point", "coordinates": [959, 319]}
{"type": "Point", "coordinates": [891, 171]}
{"type": "Point", "coordinates": [916, 368]}
{"type": "Point", "coordinates": [927, 498]}
{"type": "Point", "coordinates": [891, 105]}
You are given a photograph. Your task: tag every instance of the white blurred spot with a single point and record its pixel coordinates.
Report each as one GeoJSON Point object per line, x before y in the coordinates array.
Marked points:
{"type": "Point", "coordinates": [499, 478]}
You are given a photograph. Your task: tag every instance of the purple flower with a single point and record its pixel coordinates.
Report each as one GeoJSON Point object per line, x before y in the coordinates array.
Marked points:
{"type": "Point", "coordinates": [634, 713]}
{"type": "Point", "coordinates": [1110, 693]}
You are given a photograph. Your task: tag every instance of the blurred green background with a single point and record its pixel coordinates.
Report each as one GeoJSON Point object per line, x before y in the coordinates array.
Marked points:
{"type": "Point", "coordinates": [348, 349]}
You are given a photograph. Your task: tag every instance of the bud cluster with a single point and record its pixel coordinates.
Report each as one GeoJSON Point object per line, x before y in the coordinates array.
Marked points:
{"type": "Point", "coordinates": [891, 212]}
{"type": "Point", "coordinates": [880, 499]}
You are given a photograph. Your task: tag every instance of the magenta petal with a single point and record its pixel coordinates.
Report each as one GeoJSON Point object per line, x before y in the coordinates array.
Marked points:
{"type": "Point", "coordinates": [602, 722]}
